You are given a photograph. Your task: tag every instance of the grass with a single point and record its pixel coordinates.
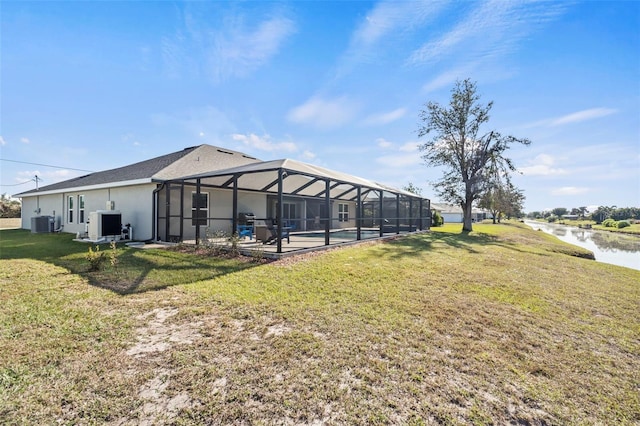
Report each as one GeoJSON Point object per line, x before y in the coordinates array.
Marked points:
{"type": "Point", "coordinates": [631, 229]}
{"type": "Point", "coordinates": [501, 325]}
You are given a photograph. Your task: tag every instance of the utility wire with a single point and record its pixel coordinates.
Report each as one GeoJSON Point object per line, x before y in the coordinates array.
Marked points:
{"type": "Point", "coordinates": [45, 165]}
{"type": "Point", "coordinates": [17, 184]}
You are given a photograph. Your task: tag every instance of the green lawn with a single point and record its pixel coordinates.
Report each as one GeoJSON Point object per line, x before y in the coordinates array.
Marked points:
{"type": "Point", "coordinates": [502, 325]}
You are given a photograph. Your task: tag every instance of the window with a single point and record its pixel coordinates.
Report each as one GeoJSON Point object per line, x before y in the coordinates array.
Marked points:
{"type": "Point", "coordinates": [70, 209]}
{"type": "Point", "coordinates": [343, 212]}
{"type": "Point", "coordinates": [202, 201]}
{"type": "Point", "coordinates": [80, 208]}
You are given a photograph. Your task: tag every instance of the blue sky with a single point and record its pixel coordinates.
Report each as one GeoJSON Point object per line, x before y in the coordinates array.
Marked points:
{"type": "Point", "coordinates": [98, 85]}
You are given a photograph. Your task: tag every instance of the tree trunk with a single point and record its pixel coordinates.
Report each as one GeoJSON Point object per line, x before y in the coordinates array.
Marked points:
{"type": "Point", "coordinates": [467, 224]}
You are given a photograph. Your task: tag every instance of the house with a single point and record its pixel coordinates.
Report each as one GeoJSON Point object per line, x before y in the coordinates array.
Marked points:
{"type": "Point", "coordinates": [130, 190]}
{"type": "Point", "coordinates": [183, 195]}
{"type": "Point", "coordinates": [454, 214]}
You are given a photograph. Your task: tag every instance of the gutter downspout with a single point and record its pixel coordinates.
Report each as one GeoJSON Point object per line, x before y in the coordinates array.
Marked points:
{"type": "Point", "coordinates": [154, 203]}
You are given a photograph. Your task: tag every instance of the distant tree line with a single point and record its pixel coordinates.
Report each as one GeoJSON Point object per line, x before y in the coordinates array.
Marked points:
{"type": "Point", "coordinates": [599, 215]}
{"type": "Point", "coordinates": [9, 208]}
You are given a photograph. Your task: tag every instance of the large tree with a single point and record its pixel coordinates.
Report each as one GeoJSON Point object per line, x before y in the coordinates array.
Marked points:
{"type": "Point", "coordinates": [463, 148]}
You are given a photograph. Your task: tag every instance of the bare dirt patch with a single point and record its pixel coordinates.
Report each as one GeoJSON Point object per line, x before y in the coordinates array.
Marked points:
{"type": "Point", "coordinates": [157, 336]}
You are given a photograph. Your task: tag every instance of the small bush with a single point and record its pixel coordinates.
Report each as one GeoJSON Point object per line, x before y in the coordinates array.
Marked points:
{"type": "Point", "coordinates": [437, 219]}
{"type": "Point", "coordinates": [551, 219]}
{"type": "Point", "coordinates": [257, 254]}
{"type": "Point", "coordinates": [234, 247]}
{"type": "Point", "coordinates": [623, 224]}
{"type": "Point", "coordinates": [609, 223]}
{"type": "Point", "coordinates": [113, 256]}
{"type": "Point", "coordinates": [96, 259]}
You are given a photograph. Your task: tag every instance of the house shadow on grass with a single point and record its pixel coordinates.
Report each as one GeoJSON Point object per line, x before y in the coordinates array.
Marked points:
{"type": "Point", "coordinates": [417, 245]}
{"type": "Point", "coordinates": [139, 271]}
{"type": "Point", "coordinates": [136, 271]}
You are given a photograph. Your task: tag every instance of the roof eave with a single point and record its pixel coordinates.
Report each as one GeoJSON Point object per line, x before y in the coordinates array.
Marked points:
{"type": "Point", "coordinates": [88, 187]}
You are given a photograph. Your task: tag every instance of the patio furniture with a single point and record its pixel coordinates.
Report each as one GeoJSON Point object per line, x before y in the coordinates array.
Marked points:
{"type": "Point", "coordinates": [245, 227]}
{"type": "Point", "coordinates": [273, 231]}
{"type": "Point", "coordinates": [245, 231]}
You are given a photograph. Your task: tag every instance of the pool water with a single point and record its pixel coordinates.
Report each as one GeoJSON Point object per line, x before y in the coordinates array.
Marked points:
{"type": "Point", "coordinates": [346, 234]}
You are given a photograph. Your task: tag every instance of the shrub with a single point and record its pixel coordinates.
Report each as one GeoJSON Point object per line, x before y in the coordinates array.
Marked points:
{"type": "Point", "coordinates": [113, 256]}
{"type": "Point", "coordinates": [437, 219]}
{"type": "Point", "coordinates": [96, 259]}
{"type": "Point", "coordinates": [609, 223]}
{"type": "Point", "coordinates": [623, 224]}
{"type": "Point", "coordinates": [552, 219]}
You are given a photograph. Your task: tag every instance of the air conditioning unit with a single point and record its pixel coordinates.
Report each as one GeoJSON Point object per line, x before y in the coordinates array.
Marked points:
{"type": "Point", "coordinates": [110, 205]}
{"type": "Point", "coordinates": [41, 224]}
{"type": "Point", "coordinates": [104, 223]}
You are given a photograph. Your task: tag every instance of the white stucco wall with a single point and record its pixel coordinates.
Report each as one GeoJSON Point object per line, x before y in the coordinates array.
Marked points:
{"type": "Point", "coordinates": [134, 203]}
{"type": "Point", "coordinates": [452, 217]}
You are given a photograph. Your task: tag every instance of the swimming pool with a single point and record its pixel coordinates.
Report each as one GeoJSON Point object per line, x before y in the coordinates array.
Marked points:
{"type": "Point", "coordinates": [345, 234]}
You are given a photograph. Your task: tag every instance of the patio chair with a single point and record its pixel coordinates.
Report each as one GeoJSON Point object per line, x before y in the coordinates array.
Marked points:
{"type": "Point", "coordinates": [273, 229]}
{"type": "Point", "coordinates": [291, 225]}
{"type": "Point", "coordinates": [245, 231]}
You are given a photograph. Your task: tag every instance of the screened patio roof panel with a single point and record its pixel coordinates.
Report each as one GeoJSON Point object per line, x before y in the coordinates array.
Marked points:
{"type": "Point", "coordinates": [299, 179]}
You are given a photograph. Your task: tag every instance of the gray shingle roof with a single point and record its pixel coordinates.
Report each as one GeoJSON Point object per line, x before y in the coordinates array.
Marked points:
{"type": "Point", "coordinates": [198, 159]}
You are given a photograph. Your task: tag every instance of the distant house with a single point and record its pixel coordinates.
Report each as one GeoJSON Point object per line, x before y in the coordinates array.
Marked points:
{"type": "Point", "coordinates": [182, 195]}
{"type": "Point", "coordinates": [454, 214]}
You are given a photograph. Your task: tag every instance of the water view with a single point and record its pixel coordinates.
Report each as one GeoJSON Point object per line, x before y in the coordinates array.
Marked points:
{"type": "Point", "coordinates": [608, 247]}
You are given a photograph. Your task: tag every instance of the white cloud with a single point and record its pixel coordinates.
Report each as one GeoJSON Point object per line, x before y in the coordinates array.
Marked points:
{"type": "Point", "coordinates": [446, 79]}
{"type": "Point", "coordinates": [264, 143]}
{"type": "Point", "coordinates": [409, 147]}
{"type": "Point", "coordinates": [48, 177]}
{"type": "Point", "coordinates": [588, 114]}
{"type": "Point", "coordinates": [383, 143]}
{"type": "Point", "coordinates": [308, 155]}
{"type": "Point", "coordinates": [398, 161]}
{"type": "Point", "coordinates": [130, 138]}
{"type": "Point", "coordinates": [2, 141]}
{"type": "Point", "coordinates": [542, 165]}
{"type": "Point", "coordinates": [385, 117]}
{"type": "Point", "coordinates": [238, 52]}
{"type": "Point", "coordinates": [231, 46]}
{"type": "Point", "coordinates": [490, 30]}
{"type": "Point", "coordinates": [387, 20]}
{"type": "Point", "coordinates": [569, 190]}
{"type": "Point", "coordinates": [25, 140]}
{"type": "Point", "coordinates": [324, 113]}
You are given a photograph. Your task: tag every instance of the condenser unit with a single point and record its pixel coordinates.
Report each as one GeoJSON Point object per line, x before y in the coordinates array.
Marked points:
{"type": "Point", "coordinates": [104, 223]}
{"type": "Point", "coordinates": [40, 224]}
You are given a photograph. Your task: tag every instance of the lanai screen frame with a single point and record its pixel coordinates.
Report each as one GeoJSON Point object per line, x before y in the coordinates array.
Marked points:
{"type": "Point", "coordinates": [318, 184]}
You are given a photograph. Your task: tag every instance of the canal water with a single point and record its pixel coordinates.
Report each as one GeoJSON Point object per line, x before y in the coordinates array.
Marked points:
{"type": "Point", "coordinates": [608, 247]}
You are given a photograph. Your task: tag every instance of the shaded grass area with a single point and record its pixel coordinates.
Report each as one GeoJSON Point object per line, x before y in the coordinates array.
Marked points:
{"type": "Point", "coordinates": [499, 325]}
{"type": "Point", "coordinates": [137, 270]}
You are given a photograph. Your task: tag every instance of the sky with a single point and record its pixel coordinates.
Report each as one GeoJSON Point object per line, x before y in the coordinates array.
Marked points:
{"type": "Point", "coordinates": [90, 86]}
